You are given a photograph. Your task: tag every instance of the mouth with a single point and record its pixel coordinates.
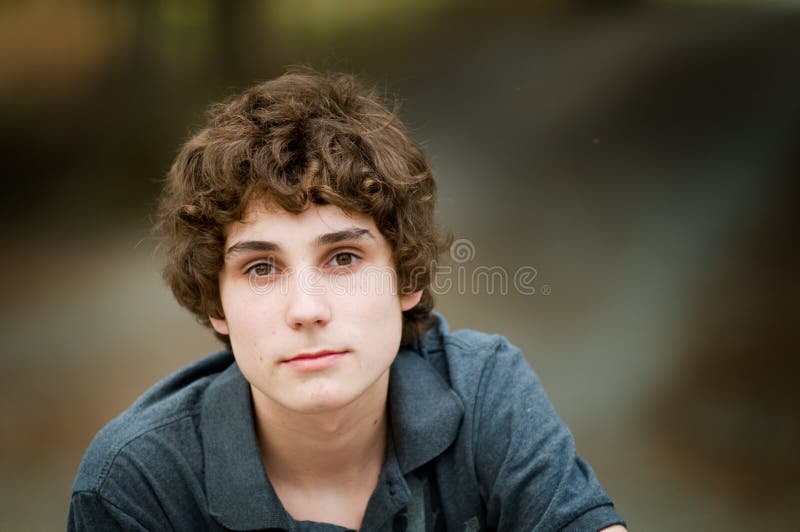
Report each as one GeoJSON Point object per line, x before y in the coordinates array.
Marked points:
{"type": "Point", "coordinates": [316, 360]}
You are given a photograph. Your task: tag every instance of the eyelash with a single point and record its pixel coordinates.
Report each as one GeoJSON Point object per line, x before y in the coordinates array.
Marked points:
{"type": "Point", "coordinates": [251, 270]}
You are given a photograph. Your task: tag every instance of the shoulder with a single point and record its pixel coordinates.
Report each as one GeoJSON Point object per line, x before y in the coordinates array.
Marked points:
{"type": "Point", "coordinates": [522, 455]}
{"type": "Point", "coordinates": [498, 388]}
{"type": "Point", "coordinates": [162, 418]}
{"type": "Point", "coordinates": [471, 359]}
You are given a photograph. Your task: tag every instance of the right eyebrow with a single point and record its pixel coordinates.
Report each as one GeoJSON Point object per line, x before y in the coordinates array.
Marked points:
{"type": "Point", "coordinates": [252, 245]}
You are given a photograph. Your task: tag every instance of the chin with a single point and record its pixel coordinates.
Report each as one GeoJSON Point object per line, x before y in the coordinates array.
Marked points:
{"type": "Point", "coordinates": [319, 406]}
{"type": "Point", "coordinates": [321, 401]}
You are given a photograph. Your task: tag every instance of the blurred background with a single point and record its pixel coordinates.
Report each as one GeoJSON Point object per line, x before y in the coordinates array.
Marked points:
{"type": "Point", "coordinates": [642, 156]}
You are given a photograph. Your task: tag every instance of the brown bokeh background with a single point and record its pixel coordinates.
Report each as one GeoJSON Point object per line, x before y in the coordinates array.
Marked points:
{"type": "Point", "coordinates": [642, 156]}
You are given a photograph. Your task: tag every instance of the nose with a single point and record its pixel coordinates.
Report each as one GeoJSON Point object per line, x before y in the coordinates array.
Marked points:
{"type": "Point", "coordinates": [307, 301]}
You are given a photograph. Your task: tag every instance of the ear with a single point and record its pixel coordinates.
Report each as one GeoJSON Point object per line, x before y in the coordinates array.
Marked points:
{"type": "Point", "coordinates": [409, 301]}
{"type": "Point", "coordinates": [219, 324]}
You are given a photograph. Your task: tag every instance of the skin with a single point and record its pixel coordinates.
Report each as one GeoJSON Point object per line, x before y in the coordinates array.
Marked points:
{"type": "Point", "coordinates": [284, 292]}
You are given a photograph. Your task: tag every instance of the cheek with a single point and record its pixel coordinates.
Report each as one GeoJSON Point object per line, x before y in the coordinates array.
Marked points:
{"type": "Point", "coordinates": [246, 309]}
{"type": "Point", "coordinates": [377, 323]}
{"type": "Point", "coordinates": [253, 324]}
{"type": "Point", "coordinates": [371, 307]}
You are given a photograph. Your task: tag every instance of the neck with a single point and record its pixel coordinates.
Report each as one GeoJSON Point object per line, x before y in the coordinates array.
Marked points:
{"type": "Point", "coordinates": [335, 447]}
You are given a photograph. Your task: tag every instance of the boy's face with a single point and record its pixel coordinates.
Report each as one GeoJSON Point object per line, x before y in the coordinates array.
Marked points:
{"type": "Point", "coordinates": [311, 306]}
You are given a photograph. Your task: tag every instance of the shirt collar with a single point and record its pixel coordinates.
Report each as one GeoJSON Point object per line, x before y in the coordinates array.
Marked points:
{"type": "Point", "coordinates": [425, 412]}
{"type": "Point", "coordinates": [239, 494]}
{"type": "Point", "coordinates": [425, 415]}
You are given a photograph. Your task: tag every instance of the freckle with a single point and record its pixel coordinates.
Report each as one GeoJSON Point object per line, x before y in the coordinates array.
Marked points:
{"type": "Point", "coordinates": [375, 422]}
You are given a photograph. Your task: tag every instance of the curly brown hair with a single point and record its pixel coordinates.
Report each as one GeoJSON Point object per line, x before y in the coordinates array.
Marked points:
{"type": "Point", "coordinates": [303, 138]}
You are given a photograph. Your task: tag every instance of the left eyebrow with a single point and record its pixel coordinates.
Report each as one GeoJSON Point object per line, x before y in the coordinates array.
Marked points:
{"type": "Point", "coordinates": [351, 233]}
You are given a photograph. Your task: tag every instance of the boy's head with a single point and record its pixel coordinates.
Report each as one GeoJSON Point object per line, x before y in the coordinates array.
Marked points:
{"type": "Point", "coordinates": [304, 139]}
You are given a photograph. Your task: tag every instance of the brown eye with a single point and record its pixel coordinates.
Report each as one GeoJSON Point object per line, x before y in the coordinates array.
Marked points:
{"type": "Point", "coordinates": [261, 269]}
{"type": "Point", "coordinates": [343, 259]}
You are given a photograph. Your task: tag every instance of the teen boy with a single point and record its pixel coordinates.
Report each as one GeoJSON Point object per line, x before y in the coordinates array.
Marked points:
{"type": "Point", "coordinates": [299, 225]}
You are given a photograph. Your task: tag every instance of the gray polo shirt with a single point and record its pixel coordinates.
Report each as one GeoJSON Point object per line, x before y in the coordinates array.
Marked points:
{"type": "Point", "coordinates": [474, 445]}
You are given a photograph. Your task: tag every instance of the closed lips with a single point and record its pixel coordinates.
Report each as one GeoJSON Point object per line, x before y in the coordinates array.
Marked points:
{"type": "Point", "coordinates": [318, 354]}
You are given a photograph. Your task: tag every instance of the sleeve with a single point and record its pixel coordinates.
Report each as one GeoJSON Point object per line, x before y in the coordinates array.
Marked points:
{"type": "Point", "coordinates": [530, 476]}
{"type": "Point", "coordinates": [89, 512]}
